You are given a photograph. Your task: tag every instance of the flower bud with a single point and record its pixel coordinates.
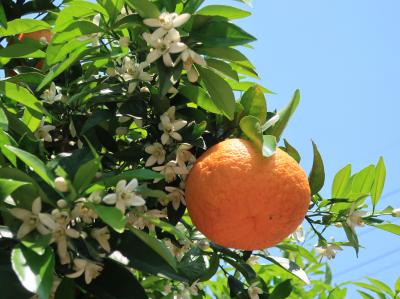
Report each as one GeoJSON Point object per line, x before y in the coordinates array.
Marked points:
{"type": "Point", "coordinates": [144, 89]}
{"type": "Point", "coordinates": [62, 204]}
{"type": "Point", "coordinates": [61, 184]}
{"type": "Point", "coordinates": [396, 212]}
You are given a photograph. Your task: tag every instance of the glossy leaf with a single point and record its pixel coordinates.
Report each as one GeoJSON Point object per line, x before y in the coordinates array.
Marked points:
{"type": "Point", "coordinates": [292, 151]}
{"type": "Point", "coordinates": [199, 96]}
{"type": "Point", "coordinates": [144, 8]}
{"type": "Point", "coordinates": [8, 186]}
{"type": "Point", "coordinates": [3, 17]}
{"type": "Point", "coordinates": [3, 121]}
{"type": "Point", "coordinates": [383, 286]}
{"type": "Point", "coordinates": [341, 182]}
{"type": "Point", "coordinates": [254, 103]}
{"type": "Point", "coordinates": [284, 116]}
{"type": "Point", "coordinates": [85, 174]}
{"type": "Point", "coordinates": [379, 181]}
{"type": "Point", "coordinates": [223, 68]}
{"type": "Point", "coordinates": [220, 92]}
{"type": "Point", "coordinates": [352, 237]}
{"type": "Point", "coordinates": [20, 95]}
{"type": "Point", "coordinates": [269, 145]}
{"type": "Point", "coordinates": [229, 54]}
{"type": "Point", "coordinates": [75, 30]}
{"type": "Point", "coordinates": [289, 266]}
{"type": "Point", "coordinates": [26, 49]}
{"type": "Point", "coordinates": [110, 215]}
{"type": "Point", "coordinates": [389, 227]}
{"type": "Point", "coordinates": [228, 12]}
{"type": "Point", "coordinates": [251, 127]}
{"type": "Point", "coordinates": [5, 139]}
{"type": "Point", "coordinates": [17, 26]}
{"type": "Point", "coordinates": [35, 272]}
{"type": "Point", "coordinates": [363, 180]}
{"type": "Point", "coordinates": [34, 162]}
{"type": "Point", "coordinates": [317, 174]}
{"type": "Point", "coordinates": [282, 290]}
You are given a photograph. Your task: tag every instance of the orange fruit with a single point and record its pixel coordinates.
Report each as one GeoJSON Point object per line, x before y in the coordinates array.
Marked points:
{"type": "Point", "coordinates": [240, 199]}
{"type": "Point", "coordinates": [37, 35]}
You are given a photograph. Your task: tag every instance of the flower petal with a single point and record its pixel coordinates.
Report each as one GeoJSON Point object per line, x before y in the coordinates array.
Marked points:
{"type": "Point", "coordinates": [181, 19]}
{"type": "Point", "coordinates": [179, 124]}
{"type": "Point", "coordinates": [177, 47]}
{"type": "Point", "coordinates": [20, 214]}
{"type": "Point", "coordinates": [110, 199]}
{"type": "Point", "coordinates": [121, 185]}
{"type": "Point", "coordinates": [138, 201]}
{"type": "Point", "coordinates": [24, 229]}
{"type": "Point", "coordinates": [132, 185]}
{"type": "Point", "coordinates": [153, 55]}
{"type": "Point", "coordinates": [151, 161]}
{"type": "Point", "coordinates": [168, 60]}
{"type": "Point", "coordinates": [152, 22]}
{"type": "Point", "coordinates": [36, 206]}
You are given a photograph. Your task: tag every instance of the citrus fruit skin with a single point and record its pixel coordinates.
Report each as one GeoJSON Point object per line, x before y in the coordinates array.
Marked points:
{"type": "Point", "coordinates": [240, 199]}
{"type": "Point", "coordinates": [37, 35]}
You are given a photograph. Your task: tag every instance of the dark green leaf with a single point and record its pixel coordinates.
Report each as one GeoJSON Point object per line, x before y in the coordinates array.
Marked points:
{"type": "Point", "coordinates": [229, 54]}
{"type": "Point", "coordinates": [27, 49]}
{"type": "Point", "coordinates": [8, 186]}
{"type": "Point", "coordinates": [85, 174]}
{"type": "Point", "coordinates": [228, 12]}
{"type": "Point", "coordinates": [167, 76]}
{"type": "Point", "coordinates": [192, 6]}
{"type": "Point", "coordinates": [192, 264]}
{"type": "Point", "coordinates": [236, 287]}
{"type": "Point", "coordinates": [251, 127]}
{"type": "Point", "coordinates": [269, 145]}
{"type": "Point", "coordinates": [17, 26]}
{"type": "Point", "coordinates": [292, 151]}
{"type": "Point", "coordinates": [66, 289]}
{"type": "Point", "coordinates": [220, 92]}
{"type": "Point", "coordinates": [75, 30]}
{"type": "Point", "coordinates": [113, 8]}
{"type": "Point", "coordinates": [284, 116]}
{"type": "Point", "coordinates": [34, 162]}
{"type": "Point", "coordinates": [379, 182]}
{"type": "Point", "coordinates": [37, 243]}
{"type": "Point", "coordinates": [3, 121]}
{"type": "Point", "coordinates": [3, 17]}
{"type": "Point", "coordinates": [212, 269]}
{"type": "Point", "coordinates": [36, 272]}
{"type": "Point", "coordinates": [352, 237]}
{"type": "Point", "coordinates": [222, 34]}
{"type": "Point", "coordinates": [21, 95]}
{"type": "Point", "coordinates": [254, 103]}
{"type": "Point", "coordinates": [199, 96]}
{"type": "Point", "coordinates": [317, 174]}
{"type": "Point", "coordinates": [110, 215]}
{"type": "Point", "coordinates": [289, 266]}
{"type": "Point", "coordinates": [144, 8]}
{"type": "Point", "coordinates": [282, 290]}
{"type": "Point", "coordinates": [222, 67]}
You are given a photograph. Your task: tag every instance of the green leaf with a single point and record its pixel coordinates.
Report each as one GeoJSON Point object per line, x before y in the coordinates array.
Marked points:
{"type": "Point", "coordinates": [236, 287]}
{"type": "Point", "coordinates": [34, 162]}
{"type": "Point", "coordinates": [167, 227]}
{"type": "Point", "coordinates": [389, 227]}
{"type": "Point", "coordinates": [59, 52]}
{"type": "Point", "coordinates": [212, 269]}
{"type": "Point", "coordinates": [110, 215]}
{"type": "Point", "coordinates": [254, 103]}
{"type": "Point", "coordinates": [365, 295]}
{"type": "Point", "coordinates": [244, 85]}
{"type": "Point", "coordinates": [66, 289]}
{"type": "Point", "coordinates": [284, 116]}
{"type": "Point", "coordinates": [282, 290]}
{"type": "Point", "coordinates": [20, 95]}
{"type": "Point", "coordinates": [37, 243]}
{"type": "Point", "coordinates": [75, 30]}
{"type": "Point", "coordinates": [317, 174]}
{"type": "Point", "coordinates": [328, 274]}
{"type": "Point", "coordinates": [289, 266]}
{"type": "Point", "coordinates": [363, 180]}
{"type": "Point", "coordinates": [3, 17]}
{"type": "Point", "coordinates": [251, 127]}
{"type": "Point", "coordinates": [8, 186]}
{"type": "Point", "coordinates": [58, 69]}
{"type": "Point", "coordinates": [144, 8]}
{"type": "Point", "coordinates": [341, 182]}
{"type": "Point", "coordinates": [36, 272]}
{"type": "Point", "coordinates": [221, 34]}
{"type": "Point", "coordinates": [32, 119]}
{"type": "Point", "coordinates": [26, 49]}
{"type": "Point", "coordinates": [371, 288]}
{"type": "Point", "coordinates": [220, 91]}
{"type": "Point", "coordinates": [379, 182]}
{"type": "Point", "coordinates": [269, 145]}
{"type": "Point", "coordinates": [3, 120]}
{"type": "Point", "coordinates": [5, 139]}
{"type": "Point", "coordinates": [193, 264]}
{"type": "Point", "coordinates": [17, 26]}
{"type": "Point", "coordinates": [381, 285]}
{"type": "Point", "coordinates": [397, 285]}
{"type": "Point", "coordinates": [228, 12]}
{"type": "Point", "coordinates": [292, 151]}
{"type": "Point", "coordinates": [112, 7]}
{"type": "Point", "coordinates": [229, 54]}
{"type": "Point", "coordinates": [223, 68]}
{"type": "Point", "coordinates": [85, 174]}
{"type": "Point", "coordinates": [352, 237]}
{"type": "Point", "coordinates": [167, 76]}
{"type": "Point", "coordinates": [157, 246]}
{"type": "Point", "coordinates": [199, 96]}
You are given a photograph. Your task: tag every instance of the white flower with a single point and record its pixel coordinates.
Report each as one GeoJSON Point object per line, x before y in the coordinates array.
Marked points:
{"type": "Point", "coordinates": [396, 212]}
{"type": "Point", "coordinates": [52, 94]}
{"type": "Point", "coordinates": [183, 154]}
{"type": "Point", "coordinates": [176, 196]}
{"type": "Point", "coordinates": [124, 41]}
{"type": "Point", "coordinates": [125, 196]}
{"type": "Point", "coordinates": [111, 72]}
{"type": "Point", "coordinates": [170, 171]}
{"type": "Point", "coordinates": [131, 70]}
{"type": "Point", "coordinates": [170, 126]}
{"type": "Point", "coordinates": [91, 269]}
{"type": "Point", "coordinates": [30, 219]}
{"type": "Point", "coordinates": [176, 251]}
{"type": "Point", "coordinates": [60, 232]}
{"type": "Point", "coordinates": [82, 212]}
{"type": "Point", "coordinates": [102, 235]}
{"type": "Point", "coordinates": [167, 22]}
{"type": "Point", "coordinates": [61, 184]}
{"type": "Point", "coordinates": [140, 220]}
{"type": "Point", "coordinates": [252, 261]}
{"type": "Point", "coordinates": [329, 250]}
{"type": "Point", "coordinates": [164, 46]}
{"type": "Point", "coordinates": [355, 218]}
{"type": "Point", "coordinates": [189, 57]}
{"type": "Point", "coordinates": [193, 289]}
{"type": "Point", "coordinates": [298, 234]}
{"type": "Point", "coordinates": [254, 291]}
{"type": "Point", "coordinates": [157, 152]}
{"type": "Point", "coordinates": [42, 132]}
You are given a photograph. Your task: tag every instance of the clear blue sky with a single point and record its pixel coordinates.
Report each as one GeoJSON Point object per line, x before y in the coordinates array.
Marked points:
{"type": "Point", "coordinates": [344, 56]}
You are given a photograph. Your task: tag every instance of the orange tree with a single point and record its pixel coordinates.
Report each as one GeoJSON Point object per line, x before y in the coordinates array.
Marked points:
{"type": "Point", "coordinates": [105, 108]}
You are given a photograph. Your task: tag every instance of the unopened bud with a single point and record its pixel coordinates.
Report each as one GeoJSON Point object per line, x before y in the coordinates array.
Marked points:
{"type": "Point", "coordinates": [396, 212]}
{"type": "Point", "coordinates": [62, 203]}
{"type": "Point", "coordinates": [144, 89]}
{"type": "Point", "coordinates": [61, 184]}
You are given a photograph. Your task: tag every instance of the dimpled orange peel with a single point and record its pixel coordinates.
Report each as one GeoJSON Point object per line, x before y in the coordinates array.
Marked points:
{"type": "Point", "coordinates": [240, 199]}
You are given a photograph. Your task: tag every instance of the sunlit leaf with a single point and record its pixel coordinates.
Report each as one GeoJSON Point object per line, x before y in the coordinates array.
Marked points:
{"type": "Point", "coordinates": [254, 103]}
{"type": "Point", "coordinates": [23, 26]}
{"type": "Point", "coordinates": [144, 8]}
{"type": "Point", "coordinates": [317, 174]}
{"type": "Point", "coordinates": [379, 182]}
{"type": "Point", "coordinates": [228, 12]}
{"type": "Point", "coordinates": [110, 215]}
{"type": "Point", "coordinates": [341, 182]}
